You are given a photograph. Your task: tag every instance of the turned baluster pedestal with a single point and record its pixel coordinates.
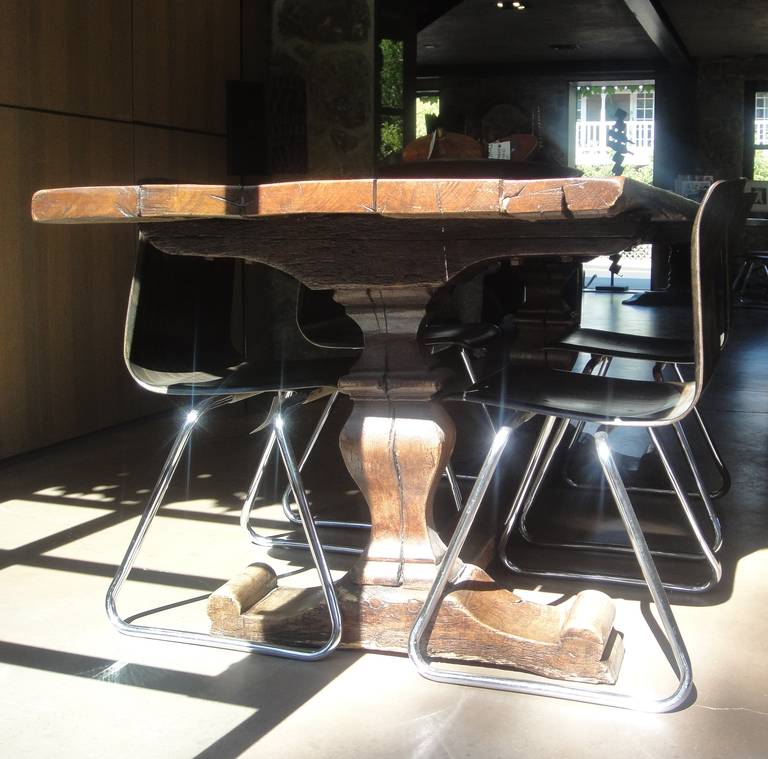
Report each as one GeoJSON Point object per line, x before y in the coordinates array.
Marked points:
{"type": "Point", "coordinates": [396, 444]}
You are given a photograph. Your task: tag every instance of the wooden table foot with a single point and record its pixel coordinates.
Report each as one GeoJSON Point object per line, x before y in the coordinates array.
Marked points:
{"type": "Point", "coordinates": [478, 622]}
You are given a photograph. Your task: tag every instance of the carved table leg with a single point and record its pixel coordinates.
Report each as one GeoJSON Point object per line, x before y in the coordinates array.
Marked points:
{"type": "Point", "coordinates": [396, 444]}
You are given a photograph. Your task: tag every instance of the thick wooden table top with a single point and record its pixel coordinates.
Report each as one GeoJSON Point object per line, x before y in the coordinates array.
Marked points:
{"type": "Point", "coordinates": [383, 232]}
{"type": "Point", "coordinates": [520, 199]}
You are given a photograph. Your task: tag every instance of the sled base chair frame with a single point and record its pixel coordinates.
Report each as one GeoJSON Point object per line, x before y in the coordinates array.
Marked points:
{"type": "Point", "coordinates": [193, 417]}
{"type": "Point", "coordinates": [420, 632]}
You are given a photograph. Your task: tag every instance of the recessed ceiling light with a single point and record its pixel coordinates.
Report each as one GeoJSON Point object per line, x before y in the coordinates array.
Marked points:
{"type": "Point", "coordinates": [512, 5]}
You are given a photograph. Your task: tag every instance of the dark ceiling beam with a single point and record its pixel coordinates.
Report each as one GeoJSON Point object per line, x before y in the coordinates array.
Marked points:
{"type": "Point", "coordinates": [640, 69]}
{"type": "Point", "coordinates": [656, 24]}
{"type": "Point", "coordinates": [427, 13]}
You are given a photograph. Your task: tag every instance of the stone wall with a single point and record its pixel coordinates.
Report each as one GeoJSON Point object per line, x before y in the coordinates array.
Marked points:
{"type": "Point", "coordinates": [720, 122]}
{"type": "Point", "coordinates": [720, 117]}
{"type": "Point", "coordinates": [327, 47]}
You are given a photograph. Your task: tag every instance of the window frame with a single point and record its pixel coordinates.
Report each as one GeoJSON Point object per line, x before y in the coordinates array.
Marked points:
{"type": "Point", "coordinates": [648, 100]}
{"type": "Point", "coordinates": [393, 23]}
{"type": "Point", "coordinates": [750, 145]}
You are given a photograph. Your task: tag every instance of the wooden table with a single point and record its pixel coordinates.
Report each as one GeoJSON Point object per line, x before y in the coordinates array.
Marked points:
{"type": "Point", "coordinates": [384, 246]}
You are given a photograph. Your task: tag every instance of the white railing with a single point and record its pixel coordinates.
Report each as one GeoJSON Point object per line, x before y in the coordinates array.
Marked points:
{"type": "Point", "coordinates": [591, 145]}
{"type": "Point", "coordinates": [761, 131]}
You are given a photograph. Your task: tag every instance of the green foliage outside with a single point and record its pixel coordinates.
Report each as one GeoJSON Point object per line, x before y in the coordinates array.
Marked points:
{"type": "Point", "coordinates": [391, 81]}
{"type": "Point", "coordinates": [391, 132]}
{"type": "Point", "coordinates": [761, 165]}
{"type": "Point", "coordinates": [426, 105]}
{"type": "Point", "coordinates": [391, 140]}
{"type": "Point", "coordinates": [641, 173]}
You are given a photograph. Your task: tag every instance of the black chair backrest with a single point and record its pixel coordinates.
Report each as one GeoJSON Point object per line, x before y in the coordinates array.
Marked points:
{"type": "Point", "coordinates": [216, 326]}
{"type": "Point", "coordinates": [324, 322]}
{"type": "Point", "coordinates": [721, 213]}
{"type": "Point", "coordinates": [180, 313]}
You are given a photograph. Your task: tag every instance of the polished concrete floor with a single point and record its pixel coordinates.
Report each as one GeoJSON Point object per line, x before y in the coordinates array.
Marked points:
{"type": "Point", "coordinates": [73, 686]}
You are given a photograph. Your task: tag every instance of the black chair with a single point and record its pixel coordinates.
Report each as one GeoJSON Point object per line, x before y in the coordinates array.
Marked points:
{"type": "Point", "coordinates": [754, 261]}
{"type": "Point", "coordinates": [610, 402]}
{"type": "Point", "coordinates": [180, 340]}
{"type": "Point", "coordinates": [604, 346]}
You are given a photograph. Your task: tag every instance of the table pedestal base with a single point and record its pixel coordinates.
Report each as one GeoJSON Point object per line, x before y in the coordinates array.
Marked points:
{"type": "Point", "coordinates": [478, 622]}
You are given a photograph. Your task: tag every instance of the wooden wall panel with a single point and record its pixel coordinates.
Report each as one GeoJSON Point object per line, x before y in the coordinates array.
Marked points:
{"type": "Point", "coordinates": [181, 157]}
{"type": "Point", "coordinates": [63, 290]}
{"type": "Point", "coordinates": [67, 55]}
{"type": "Point", "coordinates": [184, 52]}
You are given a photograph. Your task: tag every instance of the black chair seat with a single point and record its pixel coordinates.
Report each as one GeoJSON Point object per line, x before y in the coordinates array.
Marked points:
{"type": "Point", "coordinates": [757, 255]}
{"type": "Point", "coordinates": [248, 378]}
{"type": "Point", "coordinates": [622, 345]}
{"type": "Point", "coordinates": [577, 396]}
{"type": "Point", "coordinates": [465, 335]}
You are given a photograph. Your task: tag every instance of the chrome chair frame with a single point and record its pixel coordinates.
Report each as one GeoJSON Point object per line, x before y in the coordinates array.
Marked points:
{"type": "Point", "coordinates": [532, 479]}
{"type": "Point", "coordinates": [417, 642]}
{"type": "Point", "coordinates": [733, 242]}
{"type": "Point", "coordinates": [717, 459]}
{"type": "Point", "coordinates": [153, 505]}
{"type": "Point", "coordinates": [595, 360]}
{"type": "Point", "coordinates": [540, 463]}
{"type": "Point", "coordinates": [741, 280]}
{"type": "Point", "coordinates": [623, 403]}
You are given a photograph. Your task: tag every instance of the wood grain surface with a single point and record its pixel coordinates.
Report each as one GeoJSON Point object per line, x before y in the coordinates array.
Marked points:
{"type": "Point", "coordinates": [67, 55]}
{"type": "Point", "coordinates": [183, 54]}
{"type": "Point", "coordinates": [478, 622]}
{"type": "Point", "coordinates": [64, 289]}
{"type": "Point", "coordinates": [535, 200]}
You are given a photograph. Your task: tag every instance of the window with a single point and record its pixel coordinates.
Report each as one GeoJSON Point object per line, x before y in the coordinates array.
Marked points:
{"type": "Point", "coordinates": [761, 103]}
{"type": "Point", "coordinates": [756, 130]}
{"type": "Point", "coordinates": [644, 106]}
{"type": "Point", "coordinates": [594, 105]}
{"type": "Point", "coordinates": [427, 111]}
{"type": "Point", "coordinates": [391, 95]}
{"type": "Point", "coordinates": [593, 108]}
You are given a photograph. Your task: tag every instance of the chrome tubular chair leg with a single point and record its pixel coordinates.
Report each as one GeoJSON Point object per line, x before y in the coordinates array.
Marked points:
{"type": "Point", "coordinates": [449, 473]}
{"type": "Point", "coordinates": [714, 520]}
{"type": "Point", "coordinates": [709, 556]}
{"type": "Point", "coordinates": [744, 282]}
{"type": "Point", "coordinates": [738, 279]}
{"type": "Point", "coordinates": [290, 514]}
{"type": "Point", "coordinates": [722, 469]}
{"type": "Point", "coordinates": [521, 500]}
{"type": "Point", "coordinates": [277, 542]}
{"type": "Point", "coordinates": [724, 475]}
{"type": "Point", "coordinates": [562, 428]}
{"type": "Point", "coordinates": [473, 378]}
{"type": "Point", "coordinates": [440, 673]}
{"type": "Point", "coordinates": [253, 490]}
{"type": "Point", "coordinates": [527, 483]}
{"type": "Point", "coordinates": [454, 485]}
{"type": "Point", "coordinates": [207, 639]}
{"type": "Point", "coordinates": [597, 365]}
{"type": "Point", "coordinates": [610, 547]}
